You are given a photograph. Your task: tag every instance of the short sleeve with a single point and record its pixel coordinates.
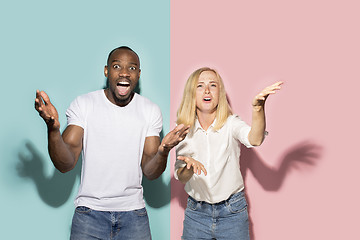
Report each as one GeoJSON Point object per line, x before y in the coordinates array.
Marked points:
{"type": "Point", "coordinates": [75, 114]}
{"type": "Point", "coordinates": [240, 130]}
{"type": "Point", "coordinates": [155, 122]}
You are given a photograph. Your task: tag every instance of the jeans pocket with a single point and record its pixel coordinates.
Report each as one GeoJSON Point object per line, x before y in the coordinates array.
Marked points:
{"type": "Point", "coordinates": [238, 205]}
{"type": "Point", "coordinates": [140, 212]}
{"type": "Point", "coordinates": [191, 204]}
{"type": "Point", "coordinates": [83, 209]}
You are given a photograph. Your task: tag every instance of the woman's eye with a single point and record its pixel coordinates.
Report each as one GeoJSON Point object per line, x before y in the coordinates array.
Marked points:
{"type": "Point", "coordinates": [213, 85]}
{"type": "Point", "coordinates": [199, 86]}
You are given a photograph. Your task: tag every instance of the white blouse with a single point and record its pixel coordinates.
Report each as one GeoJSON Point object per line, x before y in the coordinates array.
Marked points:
{"type": "Point", "coordinates": [219, 152]}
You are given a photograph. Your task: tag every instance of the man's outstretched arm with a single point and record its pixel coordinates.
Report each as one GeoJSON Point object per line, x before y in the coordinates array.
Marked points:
{"type": "Point", "coordinates": [155, 154]}
{"type": "Point", "coordinates": [64, 150]}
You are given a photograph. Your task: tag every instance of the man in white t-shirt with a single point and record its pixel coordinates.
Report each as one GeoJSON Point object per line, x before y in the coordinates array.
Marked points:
{"type": "Point", "coordinates": [117, 132]}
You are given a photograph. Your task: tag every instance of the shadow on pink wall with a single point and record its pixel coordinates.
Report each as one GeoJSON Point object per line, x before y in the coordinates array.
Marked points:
{"type": "Point", "coordinates": [270, 178]}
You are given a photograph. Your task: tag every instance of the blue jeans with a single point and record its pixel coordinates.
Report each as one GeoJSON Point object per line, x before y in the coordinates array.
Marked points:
{"type": "Point", "coordinates": [90, 224]}
{"type": "Point", "coordinates": [227, 220]}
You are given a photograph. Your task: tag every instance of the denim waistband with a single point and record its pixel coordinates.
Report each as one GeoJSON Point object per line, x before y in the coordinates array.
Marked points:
{"type": "Point", "coordinates": [231, 198]}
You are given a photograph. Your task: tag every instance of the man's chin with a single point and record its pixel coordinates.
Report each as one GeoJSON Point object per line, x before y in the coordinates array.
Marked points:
{"type": "Point", "coordinates": [124, 98]}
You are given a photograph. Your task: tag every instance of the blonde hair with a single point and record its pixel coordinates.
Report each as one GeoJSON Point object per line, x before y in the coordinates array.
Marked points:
{"type": "Point", "coordinates": [186, 113]}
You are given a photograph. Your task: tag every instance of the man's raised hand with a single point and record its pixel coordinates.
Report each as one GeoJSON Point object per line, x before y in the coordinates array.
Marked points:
{"type": "Point", "coordinates": [173, 138]}
{"type": "Point", "coordinates": [46, 110]}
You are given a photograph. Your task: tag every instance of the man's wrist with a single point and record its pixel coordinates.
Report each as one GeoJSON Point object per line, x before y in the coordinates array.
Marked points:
{"type": "Point", "coordinates": [52, 130]}
{"type": "Point", "coordinates": [163, 151]}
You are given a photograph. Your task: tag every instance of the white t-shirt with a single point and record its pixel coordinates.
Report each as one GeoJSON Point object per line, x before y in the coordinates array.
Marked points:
{"type": "Point", "coordinates": [219, 152]}
{"type": "Point", "coordinates": [112, 149]}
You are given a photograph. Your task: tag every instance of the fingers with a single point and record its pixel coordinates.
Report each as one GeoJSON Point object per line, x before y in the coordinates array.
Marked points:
{"type": "Point", "coordinates": [45, 97]}
{"type": "Point", "coordinates": [203, 169]}
{"type": "Point", "coordinates": [272, 89]}
{"type": "Point", "coordinates": [182, 158]}
{"type": "Point", "coordinates": [192, 163]}
{"type": "Point", "coordinates": [38, 100]}
{"type": "Point", "coordinates": [42, 104]}
{"type": "Point", "coordinates": [268, 90]}
{"type": "Point", "coordinates": [39, 105]}
{"type": "Point", "coordinates": [198, 167]}
{"type": "Point", "coordinates": [181, 131]}
{"type": "Point", "coordinates": [278, 84]}
{"type": "Point", "coordinates": [275, 86]}
{"type": "Point", "coordinates": [175, 136]}
{"type": "Point", "coordinates": [41, 99]}
{"type": "Point", "coordinates": [178, 128]}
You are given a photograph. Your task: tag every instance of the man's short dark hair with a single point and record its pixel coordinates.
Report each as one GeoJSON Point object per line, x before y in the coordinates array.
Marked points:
{"type": "Point", "coordinates": [122, 47]}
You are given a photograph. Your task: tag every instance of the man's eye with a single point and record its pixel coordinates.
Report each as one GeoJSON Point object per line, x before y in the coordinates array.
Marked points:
{"type": "Point", "coordinates": [132, 68]}
{"type": "Point", "coordinates": [116, 66]}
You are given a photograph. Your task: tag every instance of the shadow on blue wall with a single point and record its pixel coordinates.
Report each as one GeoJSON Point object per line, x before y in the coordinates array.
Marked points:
{"type": "Point", "coordinates": [156, 192]}
{"type": "Point", "coordinates": [54, 190]}
{"type": "Point", "coordinates": [302, 155]}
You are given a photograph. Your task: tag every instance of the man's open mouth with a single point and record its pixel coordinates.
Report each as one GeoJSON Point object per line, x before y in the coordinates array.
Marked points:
{"type": "Point", "coordinates": [123, 87]}
{"type": "Point", "coordinates": [123, 84]}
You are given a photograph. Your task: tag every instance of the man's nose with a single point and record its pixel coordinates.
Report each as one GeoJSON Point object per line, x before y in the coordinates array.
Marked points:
{"type": "Point", "coordinates": [124, 72]}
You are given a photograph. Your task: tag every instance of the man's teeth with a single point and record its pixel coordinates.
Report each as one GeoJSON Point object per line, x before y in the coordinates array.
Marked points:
{"type": "Point", "coordinates": [124, 84]}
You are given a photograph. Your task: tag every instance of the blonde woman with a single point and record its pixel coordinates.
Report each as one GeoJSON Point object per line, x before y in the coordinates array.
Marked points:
{"type": "Point", "coordinates": [208, 158]}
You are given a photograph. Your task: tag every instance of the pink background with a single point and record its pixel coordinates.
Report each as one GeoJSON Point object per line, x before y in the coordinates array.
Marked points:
{"type": "Point", "coordinates": [303, 182]}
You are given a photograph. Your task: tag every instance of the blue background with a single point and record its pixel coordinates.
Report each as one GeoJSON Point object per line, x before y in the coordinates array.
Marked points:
{"type": "Point", "coordinates": [61, 47]}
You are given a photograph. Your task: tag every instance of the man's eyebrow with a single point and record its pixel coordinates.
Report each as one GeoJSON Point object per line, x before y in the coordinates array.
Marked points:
{"type": "Point", "coordinates": [131, 63]}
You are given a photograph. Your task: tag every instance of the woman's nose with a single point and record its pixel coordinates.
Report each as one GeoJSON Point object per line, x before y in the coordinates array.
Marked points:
{"type": "Point", "coordinates": [207, 90]}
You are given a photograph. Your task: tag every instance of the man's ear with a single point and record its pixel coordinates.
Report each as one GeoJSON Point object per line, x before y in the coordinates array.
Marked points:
{"type": "Point", "coordinates": [106, 71]}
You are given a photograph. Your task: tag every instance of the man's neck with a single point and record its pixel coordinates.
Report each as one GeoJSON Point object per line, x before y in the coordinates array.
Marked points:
{"type": "Point", "coordinates": [114, 100]}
